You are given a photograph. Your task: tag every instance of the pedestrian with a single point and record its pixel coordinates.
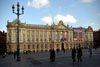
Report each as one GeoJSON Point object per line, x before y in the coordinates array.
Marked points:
{"type": "Point", "coordinates": [63, 47]}
{"type": "Point", "coordinates": [74, 54]}
{"type": "Point", "coordinates": [57, 50]}
{"type": "Point", "coordinates": [52, 55]}
{"type": "Point", "coordinates": [90, 51]}
{"type": "Point", "coordinates": [15, 53]}
{"type": "Point", "coordinates": [79, 54]}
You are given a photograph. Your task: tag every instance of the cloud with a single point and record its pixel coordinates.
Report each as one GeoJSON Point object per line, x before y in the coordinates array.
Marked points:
{"type": "Point", "coordinates": [38, 3]}
{"type": "Point", "coordinates": [66, 19]}
{"type": "Point", "coordinates": [87, 1]}
{"type": "Point", "coordinates": [29, 3]}
{"type": "Point", "coordinates": [93, 25]}
{"type": "Point", "coordinates": [47, 20]}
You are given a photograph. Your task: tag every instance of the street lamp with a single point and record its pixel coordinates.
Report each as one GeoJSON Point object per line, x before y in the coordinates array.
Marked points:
{"type": "Point", "coordinates": [17, 13]}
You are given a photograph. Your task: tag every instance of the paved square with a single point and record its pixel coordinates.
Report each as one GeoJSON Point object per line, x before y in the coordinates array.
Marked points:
{"type": "Point", "coordinates": [41, 59]}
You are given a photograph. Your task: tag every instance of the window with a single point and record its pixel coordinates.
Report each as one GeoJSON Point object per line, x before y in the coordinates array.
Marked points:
{"type": "Point", "coordinates": [33, 46]}
{"type": "Point", "coordinates": [9, 46]}
{"type": "Point", "coordinates": [50, 45]}
{"type": "Point", "coordinates": [45, 32]}
{"type": "Point", "coordinates": [28, 46]}
{"type": "Point", "coordinates": [28, 38]}
{"type": "Point", "coordinates": [45, 45]}
{"type": "Point", "coordinates": [41, 32]}
{"type": "Point", "coordinates": [32, 39]}
{"type": "Point", "coordinates": [45, 39]}
{"type": "Point", "coordinates": [24, 46]}
{"type": "Point", "coordinates": [57, 45]}
{"type": "Point", "coordinates": [33, 35]}
{"type": "Point", "coordinates": [37, 46]}
{"type": "Point", "coordinates": [37, 32]}
{"type": "Point", "coordinates": [66, 45]}
{"type": "Point", "coordinates": [49, 39]}
{"type": "Point", "coordinates": [36, 39]}
{"type": "Point", "coordinates": [24, 38]}
{"type": "Point", "coordinates": [41, 40]}
{"type": "Point", "coordinates": [32, 32]}
{"type": "Point", "coordinates": [41, 45]}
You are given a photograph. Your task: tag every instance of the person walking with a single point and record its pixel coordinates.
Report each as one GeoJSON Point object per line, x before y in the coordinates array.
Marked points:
{"type": "Point", "coordinates": [79, 54]}
{"type": "Point", "coordinates": [57, 50]}
{"type": "Point", "coordinates": [63, 48]}
{"type": "Point", "coordinates": [15, 53]}
{"type": "Point", "coordinates": [52, 55]}
{"type": "Point", "coordinates": [90, 51]}
{"type": "Point", "coordinates": [74, 54]}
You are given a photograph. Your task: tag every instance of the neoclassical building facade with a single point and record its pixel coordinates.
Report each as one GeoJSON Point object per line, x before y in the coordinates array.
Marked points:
{"type": "Point", "coordinates": [44, 37]}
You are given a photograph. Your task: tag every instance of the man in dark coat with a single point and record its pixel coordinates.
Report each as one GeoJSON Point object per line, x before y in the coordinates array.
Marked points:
{"type": "Point", "coordinates": [79, 54]}
{"type": "Point", "coordinates": [73, 54]}
{"type": "Point", "coordinates": [52, 55]}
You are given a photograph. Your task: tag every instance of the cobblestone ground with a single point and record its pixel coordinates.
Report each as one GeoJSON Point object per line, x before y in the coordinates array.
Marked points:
{"type": "Point", "coordinates": [41, 59]}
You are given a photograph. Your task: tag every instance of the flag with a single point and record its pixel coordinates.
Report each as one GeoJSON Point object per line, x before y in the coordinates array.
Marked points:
{"type": "Point", "coordinates": [62, 39]}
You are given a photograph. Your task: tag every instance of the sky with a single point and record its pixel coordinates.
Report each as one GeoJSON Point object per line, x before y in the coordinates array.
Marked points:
{"type": "Point", "coordinates": [76, 13]}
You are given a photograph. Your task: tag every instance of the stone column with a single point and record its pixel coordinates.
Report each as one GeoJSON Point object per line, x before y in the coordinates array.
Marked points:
{"type": "Point", "coordinates": [11, 35]}
{"type": "Point", "coordinates": [35, 35]}
{"type": "Point", "coordinates": [68, 36]}
{"type": "Point", "coordinates": [47, 36]}
{"type": "Point", "coordinates": [14, 35]}
{"type": "Point", "coordinates": [25, 35]}
{"type": "Point", "coordinates": [39, 35]}
{"type": "Point", "coordinates": [30, 35]}
{"type": "Point", "coordinates": [43, 35]}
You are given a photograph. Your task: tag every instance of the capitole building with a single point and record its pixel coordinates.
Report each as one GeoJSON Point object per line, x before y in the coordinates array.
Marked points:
{"type": "Point", "coordinates": [38, 38]}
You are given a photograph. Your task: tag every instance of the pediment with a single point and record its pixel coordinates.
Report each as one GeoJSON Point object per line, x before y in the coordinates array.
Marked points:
{"type": "Point", "coordinates": [61, 27]}
{"type": "Point", "coordinates": [15, 22]}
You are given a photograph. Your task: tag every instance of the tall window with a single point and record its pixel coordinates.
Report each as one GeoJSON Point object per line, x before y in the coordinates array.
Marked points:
{"type": "Point", "coordinates": [50, 45]}
{"type": "Point", "coordinates": [45, 37]}
{"type": "Point", "coordinates": [28, 35]}
{"type": "Point", "coordinates": [32, 38]}
{"type": "Point", "coordinates": [37, 46]}
{"type": "Point", "coordinates": [57, 45]}
{"type": "Point", "coordinates": [45, 45]}
{"type": "Point", "coordinates": [37, 36]}
{"type": "Point", "coordinates": [28, 46]}
{"type": "Point", "coordinates": [37, 39]}
{"type": "Point", "coordinates": [32, 35]}
{"type": "Point", "coordinates": [41, 36]}
{"type": "Point", "coordinates": [28, 38]}
{"type": "Point", "coordinates": [41, 45]}
{"type": "Point", "coordinates": [33, 46]}
{"type": "Point", "coordinates": [24, 47]}
{"type": "Point", "coordinates": [49, 39]}
{"type": "Point", "coordinates": [41, 39]}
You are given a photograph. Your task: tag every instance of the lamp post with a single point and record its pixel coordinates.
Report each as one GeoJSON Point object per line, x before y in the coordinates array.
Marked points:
{"type": "Point", "coordinates": [17, 13]}
{"type": "Point", "coordinates": [52, 27]}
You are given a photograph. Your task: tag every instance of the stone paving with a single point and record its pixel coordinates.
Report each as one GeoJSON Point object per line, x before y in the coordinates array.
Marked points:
{"type": "Point", "coordinates": [41, 59]}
